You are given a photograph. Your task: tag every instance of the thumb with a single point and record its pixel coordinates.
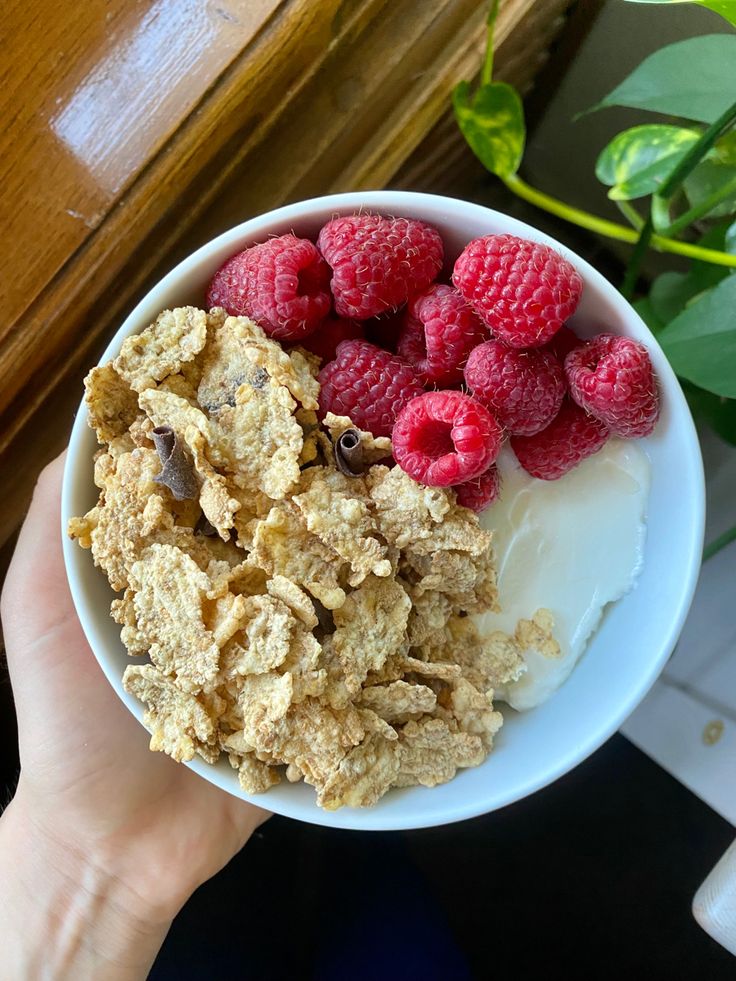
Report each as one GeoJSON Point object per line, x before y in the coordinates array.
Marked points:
{"type": "Point", "coordinates": [36, 598]}
{"type": "Point", "coordinates": [57, 683]}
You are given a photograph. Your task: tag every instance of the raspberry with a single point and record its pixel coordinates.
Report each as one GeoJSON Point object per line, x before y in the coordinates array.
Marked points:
{"type": "Point", "coordinates": [524, 389]}
{"type": "Point", "coordinates": [563, 342]}
{"type": "Point", "coordinates": [283, 284]}
{"type": "Point", "coordinates": [612, 378]}
{"type": "Point", "coordinates": [439, 332]}
{"type": "Point", "coordinates": [378, 263]}
{"type": "Point", "coordinates": [523, 290]}
{"type": "Point", "coordinates": [481, 492]}
{"type": "Point", "coordinates": [323, 342]}
{"type": "Point", "coordinates": [444, 438]}
{"type": "Point", "coordinates": [572, 436]}
{"type": "Point", "coordinates": [367, 384]}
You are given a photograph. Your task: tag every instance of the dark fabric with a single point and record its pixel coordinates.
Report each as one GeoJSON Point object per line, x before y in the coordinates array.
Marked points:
{"type": "Point", "coordinates": [592, 877]}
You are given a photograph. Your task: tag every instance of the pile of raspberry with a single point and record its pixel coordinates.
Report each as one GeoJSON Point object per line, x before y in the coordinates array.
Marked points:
{"type": "Point", "coordinates": [448, 371]}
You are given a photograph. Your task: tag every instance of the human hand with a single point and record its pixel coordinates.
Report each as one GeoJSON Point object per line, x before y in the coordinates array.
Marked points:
{"type": "Point", "coordinates": [140, 830]}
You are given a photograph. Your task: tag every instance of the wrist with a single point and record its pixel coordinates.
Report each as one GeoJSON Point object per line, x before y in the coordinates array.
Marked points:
{"type": "Point", "coordinates": [64, 912]}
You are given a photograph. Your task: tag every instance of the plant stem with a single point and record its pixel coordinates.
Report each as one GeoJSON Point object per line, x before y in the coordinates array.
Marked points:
{"type": "Point", "coordinates": [713, 256]}
{"type": "Point", "coordinates": [486, 72]}
{"type": "Point", "coordinates": [660, 212]}
{"type": "Point", "coordinates": [697, 151]}
{"type": "Point", "coordinates": [720, 194]}
{"type": "Point", "coordinates": [631, 214]}
{"type": "Point", "coordinates": [637, 257]}
{"type": "Point", "coordinates": [611, 229]}
{"type": "Point", "coordinates": [584, 219]}
{"type": "Point", "coordinates": [715, 546]}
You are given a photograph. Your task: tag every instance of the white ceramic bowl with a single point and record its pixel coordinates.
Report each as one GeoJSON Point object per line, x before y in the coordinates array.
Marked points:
{"type": "Point", "coordinates": [637, 634]}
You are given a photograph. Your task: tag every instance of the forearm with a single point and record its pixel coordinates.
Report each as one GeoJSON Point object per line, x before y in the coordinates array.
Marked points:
{"type": "Point", "coordinates": [62, 916]}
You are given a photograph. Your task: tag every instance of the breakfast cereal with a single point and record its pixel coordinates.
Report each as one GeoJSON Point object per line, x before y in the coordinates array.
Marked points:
{"type": "Point", "coordinates": [302, 604]}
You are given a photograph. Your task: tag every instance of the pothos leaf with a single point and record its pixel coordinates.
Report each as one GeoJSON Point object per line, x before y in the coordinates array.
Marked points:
{"type": "Point", "coordinates": [694, 79]}
{"type": "Point", "coordinates": [492, 122]}
{"type": "Point", "coordinates": [669, 294]}
{"type": "Point", "coordinates": [718, 412]}
{"type": "Point", "coordinates": [708, 178]}
{"type": "Point", "coordinates": [639, 160]}
{"type": "Point", "coordinates": [646, 311]}
{"type": "Point", "coordinates": [672, 292]}
{"type": "Point", "coordinates": [726, 8]}
{"type": "Point", "coordinates": [724, 149]}
{"type": "Point", "coordinates": [701, 341]}
{"type": "Point", "coordinates": [729, 240]}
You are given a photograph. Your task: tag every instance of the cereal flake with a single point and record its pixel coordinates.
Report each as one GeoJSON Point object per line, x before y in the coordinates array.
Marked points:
{"type": "Point", "coordinates": [334, 512]}
{"type": "Point", "coordinates": [398, 701]}
{"type": "Point", "coordinates": [112, 405]}
{"type": "Point", "coordinates": [176, 336]}
{"type": "Point", "coordinates": [371, 625]}
{"type": "Point", "coordinates": [169, 592]}
{"type": "Point", "coordinates": [254, 776]}
{"type": "Point", "coordinates": [430, 754]}
{"type": "Point", "coordinates": [258, 440]}
{"type": "Point", "coordinates": [536, 634]}
{"type": "Point", "coordinates": [406, 512]}
{"type": "Point", "coordinates": [363, 776]}
{"type": "Point", "coordinates": [177, 721]}
{"type": "Point", "coordinates": [282, 545]}
{"type": "Point", "coordinates": [295, 598]}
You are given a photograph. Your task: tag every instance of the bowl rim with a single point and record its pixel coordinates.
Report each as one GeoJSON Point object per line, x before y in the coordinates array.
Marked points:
{"type": "Point", "coordinates": [400, 202]}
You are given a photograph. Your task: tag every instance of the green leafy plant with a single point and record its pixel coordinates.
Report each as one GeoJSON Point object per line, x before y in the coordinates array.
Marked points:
{"type": "Point", "coordinates": [674, 182]}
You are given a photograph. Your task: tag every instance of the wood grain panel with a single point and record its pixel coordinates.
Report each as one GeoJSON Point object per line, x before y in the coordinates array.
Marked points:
{"type": "Point", "coordinates": [98, 281]}
{"type": "Point", "coordinates": [362, 104]}
{"type": "Point", "coordinates": [90, 92]}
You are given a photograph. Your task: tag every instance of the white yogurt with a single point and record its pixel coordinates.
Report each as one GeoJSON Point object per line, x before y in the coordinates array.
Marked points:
{"type": "Point", "coordinates": [572, 546]}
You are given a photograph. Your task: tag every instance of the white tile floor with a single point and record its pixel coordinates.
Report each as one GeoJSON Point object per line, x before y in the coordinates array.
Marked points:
{"type": "Point", "coordinates": [687, 723]}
